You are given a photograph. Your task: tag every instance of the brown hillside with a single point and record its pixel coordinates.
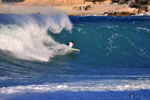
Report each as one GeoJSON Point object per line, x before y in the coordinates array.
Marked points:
{"type": "Point", "coordinates": [53, 2]}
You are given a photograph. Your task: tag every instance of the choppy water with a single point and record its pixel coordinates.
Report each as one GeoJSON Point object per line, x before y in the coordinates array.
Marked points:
{"type": "Point", "coordinates": [115, 53]}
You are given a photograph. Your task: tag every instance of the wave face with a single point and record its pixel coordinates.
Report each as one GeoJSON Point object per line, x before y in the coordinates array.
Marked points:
{"type": "Point", "coordinates": [26, 36]}
{"type": "Point", "coordinates": [115, 54]}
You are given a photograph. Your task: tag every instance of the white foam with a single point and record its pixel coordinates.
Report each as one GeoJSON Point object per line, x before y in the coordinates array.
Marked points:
{"type": "Point", "coordinates": [103, 85]}
{"type": "Point", "coordinates": [145, 29]}
{"type": "Point", "coordinates": [27, 39]}
{"type": "Point", "coordinates": [146, 14]}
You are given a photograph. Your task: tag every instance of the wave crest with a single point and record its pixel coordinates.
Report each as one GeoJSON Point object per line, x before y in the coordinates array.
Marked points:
{"type": "Point", "coordinates": [29, 40]}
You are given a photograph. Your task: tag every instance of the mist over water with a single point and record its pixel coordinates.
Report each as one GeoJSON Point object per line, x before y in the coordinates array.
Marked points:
{"type": "Point", "coordinates": [27, 37]}
{"type": "Point", "coordinates": [34, 9]}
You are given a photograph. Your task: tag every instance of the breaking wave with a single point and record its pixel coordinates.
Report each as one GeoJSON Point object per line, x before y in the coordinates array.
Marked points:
{"type": "Point", "coordinates": [99, 85]}
{"type": "Point", "coordinates": [28, 38]}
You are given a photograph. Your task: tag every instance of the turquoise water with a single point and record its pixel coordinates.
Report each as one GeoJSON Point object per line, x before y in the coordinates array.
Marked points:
{"type": "Point", "coordinates": [115, 56]}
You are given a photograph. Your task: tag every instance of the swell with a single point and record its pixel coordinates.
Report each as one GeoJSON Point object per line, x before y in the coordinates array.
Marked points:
{"type": "Point", "coordinates": [115, 56]}
{"type": "Point", "coordinates": [101, 39]}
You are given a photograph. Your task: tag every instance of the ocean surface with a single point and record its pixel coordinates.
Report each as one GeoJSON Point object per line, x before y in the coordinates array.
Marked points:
{"type": "Point", "coordinates": [36, 64]}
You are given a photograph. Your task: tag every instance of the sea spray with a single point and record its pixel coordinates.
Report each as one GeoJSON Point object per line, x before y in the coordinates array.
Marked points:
{"type": "Point", "coordinates": [28, 38]}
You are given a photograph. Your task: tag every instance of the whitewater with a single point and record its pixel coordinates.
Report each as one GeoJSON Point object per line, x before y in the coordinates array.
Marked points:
{"type": "Point", "coordinates": [28, 38]}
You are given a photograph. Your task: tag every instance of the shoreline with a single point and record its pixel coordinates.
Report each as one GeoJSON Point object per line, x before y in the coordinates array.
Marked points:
{"type": "Point", "coordinates": [79, 14]}
{"type": "Point", "coordinates": [101, 10]}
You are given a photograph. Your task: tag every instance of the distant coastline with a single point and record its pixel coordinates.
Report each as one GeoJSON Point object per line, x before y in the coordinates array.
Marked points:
{"type": "Point", "coordinates": [116, 10]}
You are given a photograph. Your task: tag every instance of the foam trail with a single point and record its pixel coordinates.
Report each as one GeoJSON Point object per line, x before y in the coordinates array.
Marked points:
{"type": "Point", "coordinates": [103, 85]}
{"type": "Point", "coordinates": [28, 38]}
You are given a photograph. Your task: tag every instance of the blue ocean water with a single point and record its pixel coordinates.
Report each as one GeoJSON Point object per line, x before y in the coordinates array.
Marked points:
{"type": "Point", "coordinates": [113, 64]}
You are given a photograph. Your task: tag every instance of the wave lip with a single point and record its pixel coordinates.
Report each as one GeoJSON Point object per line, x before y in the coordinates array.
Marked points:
{"type": "Point", "coordinates": [29, 40]}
